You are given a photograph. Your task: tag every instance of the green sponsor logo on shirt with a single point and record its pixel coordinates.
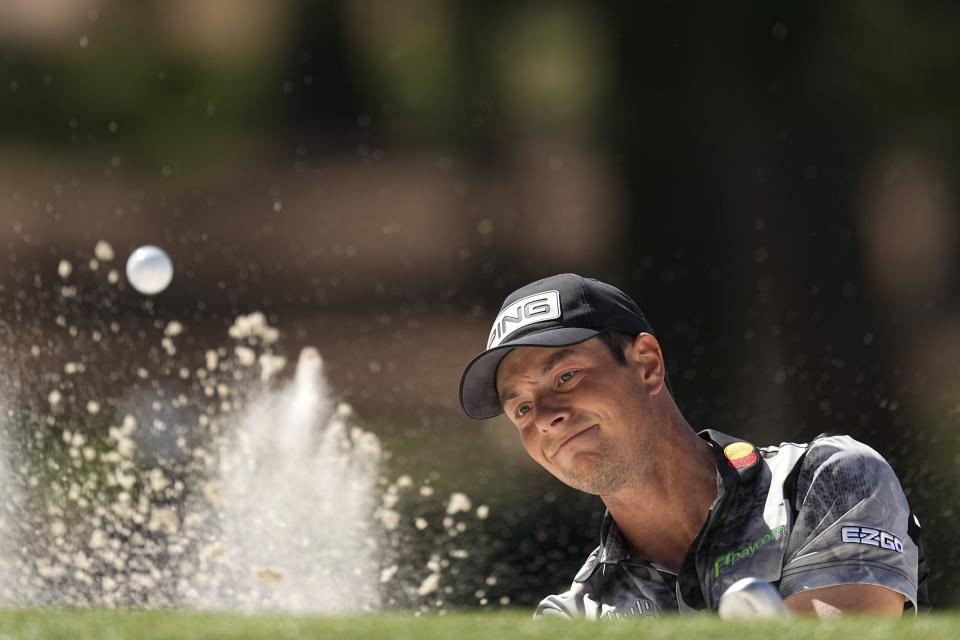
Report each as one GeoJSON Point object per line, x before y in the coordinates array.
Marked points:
{"type": "Point", "coordinates": [723, 563]}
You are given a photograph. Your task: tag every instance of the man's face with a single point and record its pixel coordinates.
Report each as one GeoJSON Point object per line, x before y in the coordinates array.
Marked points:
{"type": "Point", "coordinates": [582, 415]}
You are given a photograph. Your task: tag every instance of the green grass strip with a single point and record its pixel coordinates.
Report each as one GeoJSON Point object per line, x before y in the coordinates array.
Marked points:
{"type": "Point", "coordinates": [117, 625]}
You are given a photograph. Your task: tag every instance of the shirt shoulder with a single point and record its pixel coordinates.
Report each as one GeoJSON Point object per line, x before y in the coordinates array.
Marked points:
{"type": "Point", "coordinates": [838, 468]}
{"type": "Point", "coordinates": [836, 455]}
{"type": "Point", "coordinates": [852, 521]}
{"type": "Point", "coordinates": [838, 449]}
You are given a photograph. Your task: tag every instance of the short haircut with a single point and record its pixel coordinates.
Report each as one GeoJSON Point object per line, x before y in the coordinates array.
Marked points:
{"type": "Point", "coordinates": [617, 343]}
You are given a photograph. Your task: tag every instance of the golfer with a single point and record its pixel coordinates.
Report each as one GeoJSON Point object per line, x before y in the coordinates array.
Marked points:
{"type": "Point", "coordinates": [574, 364]}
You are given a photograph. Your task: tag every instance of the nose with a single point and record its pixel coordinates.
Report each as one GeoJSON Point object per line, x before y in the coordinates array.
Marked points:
{"type": "Point", "coordinates": [552, 413]}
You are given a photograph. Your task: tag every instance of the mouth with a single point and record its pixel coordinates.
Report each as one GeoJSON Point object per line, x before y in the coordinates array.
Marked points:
{"type": "Point", "coordinates": [571, 438]}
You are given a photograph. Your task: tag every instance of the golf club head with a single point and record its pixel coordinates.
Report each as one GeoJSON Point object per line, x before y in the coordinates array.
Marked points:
{"type": "Point", "coordinates": [751, 598]}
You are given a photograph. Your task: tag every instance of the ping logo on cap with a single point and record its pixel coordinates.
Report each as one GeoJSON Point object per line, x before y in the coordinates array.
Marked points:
{"type": "Point", "coordinates": [523, 312]}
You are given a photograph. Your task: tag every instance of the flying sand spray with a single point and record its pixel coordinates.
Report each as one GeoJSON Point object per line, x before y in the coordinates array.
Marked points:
{"type": "Point", "coordinates": [213, 484]}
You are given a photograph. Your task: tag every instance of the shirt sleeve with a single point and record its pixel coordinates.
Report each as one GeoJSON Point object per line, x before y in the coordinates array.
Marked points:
{"type": "Point", "coordinates": [852, 523]}
{"type": "Point", "coordinates": [570, 604]}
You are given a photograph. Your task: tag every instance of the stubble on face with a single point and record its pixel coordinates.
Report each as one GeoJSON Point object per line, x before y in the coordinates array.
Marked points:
{"type": "Point", "coordinates": [623, 453]}
{"type": "Point", "coordinates": [605, 476]}
{"type": "Point", "coordinates": [611, 467]}
{"type": "Point", "coordinates": [630, 457]}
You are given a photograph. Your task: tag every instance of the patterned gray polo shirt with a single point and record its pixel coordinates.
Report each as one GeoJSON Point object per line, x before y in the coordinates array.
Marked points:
{"type": "Point", "coordinates": [800, 516]}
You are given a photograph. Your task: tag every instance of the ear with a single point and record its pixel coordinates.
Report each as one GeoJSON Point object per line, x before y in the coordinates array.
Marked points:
{"type": "Point", "coordinates": [646, 359]}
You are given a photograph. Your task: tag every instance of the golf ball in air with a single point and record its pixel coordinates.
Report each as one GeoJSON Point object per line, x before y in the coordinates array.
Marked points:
{"type": "Point", "coordinates": [149, 270]}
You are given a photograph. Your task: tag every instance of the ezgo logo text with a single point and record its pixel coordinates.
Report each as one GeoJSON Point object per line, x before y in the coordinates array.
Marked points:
{"type": "Point", "coordinates": [873, 537]}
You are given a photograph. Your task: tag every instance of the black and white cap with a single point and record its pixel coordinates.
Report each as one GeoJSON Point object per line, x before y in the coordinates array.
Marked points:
{"type": "Point", "coordinates": [558, 311]}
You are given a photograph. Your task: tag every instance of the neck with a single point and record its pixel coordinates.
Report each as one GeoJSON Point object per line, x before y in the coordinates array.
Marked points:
{"type": "Point", "coordinates": [661, 513]}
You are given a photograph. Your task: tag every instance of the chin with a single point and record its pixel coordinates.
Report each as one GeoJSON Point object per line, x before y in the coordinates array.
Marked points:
{"type": "Point", "coordinates": [587, 481]}
{"type": "Point", "coordinates": [587, 487]}
{"type": "Point", "coordinates": [596, 477]}
{"type": "Point", "coordinates": [589, 490]}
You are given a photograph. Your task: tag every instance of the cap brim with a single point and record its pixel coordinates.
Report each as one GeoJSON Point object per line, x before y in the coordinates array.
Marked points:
{"type": "Point", "coordinates": [478, 388]}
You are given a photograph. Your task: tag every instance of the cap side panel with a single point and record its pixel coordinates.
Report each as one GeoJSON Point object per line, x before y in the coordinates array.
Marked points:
{"type": "Point", "coordinates": [586, 301]}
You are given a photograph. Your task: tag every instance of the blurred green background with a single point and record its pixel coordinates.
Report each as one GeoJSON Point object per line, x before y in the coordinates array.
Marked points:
{"type": "Point", "coordinates": [773, 182]}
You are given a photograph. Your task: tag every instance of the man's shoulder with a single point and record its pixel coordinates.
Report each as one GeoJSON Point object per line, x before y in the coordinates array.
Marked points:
{"type": "Point", "coordinates": [851, 522]}
{"type": "Point", "coordinates": [829, 466]}
{"type": "Point", "coordinates": [826, 449]}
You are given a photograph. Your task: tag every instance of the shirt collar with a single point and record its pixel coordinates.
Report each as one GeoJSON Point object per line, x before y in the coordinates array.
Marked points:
{"type": "Point", "coordinates": [737, 461]}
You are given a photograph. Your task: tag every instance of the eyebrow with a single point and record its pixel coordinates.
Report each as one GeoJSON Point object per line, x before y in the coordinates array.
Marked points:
{"type": "Point", "coordinates": [509, 393]}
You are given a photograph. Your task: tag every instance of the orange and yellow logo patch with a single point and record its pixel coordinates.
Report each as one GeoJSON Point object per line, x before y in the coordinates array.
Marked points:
{"type": "Point", "coordinates": [741, 455]}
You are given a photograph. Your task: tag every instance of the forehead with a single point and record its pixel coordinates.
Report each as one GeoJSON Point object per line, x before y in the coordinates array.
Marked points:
{"type": "Point", "coordinates": [533, 362]}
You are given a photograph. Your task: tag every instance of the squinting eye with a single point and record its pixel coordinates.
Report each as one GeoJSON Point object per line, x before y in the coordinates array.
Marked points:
{"type": "Point", "coordinates": [522, 410]}
{"type": "Point", "coordinates": [566, 376]}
